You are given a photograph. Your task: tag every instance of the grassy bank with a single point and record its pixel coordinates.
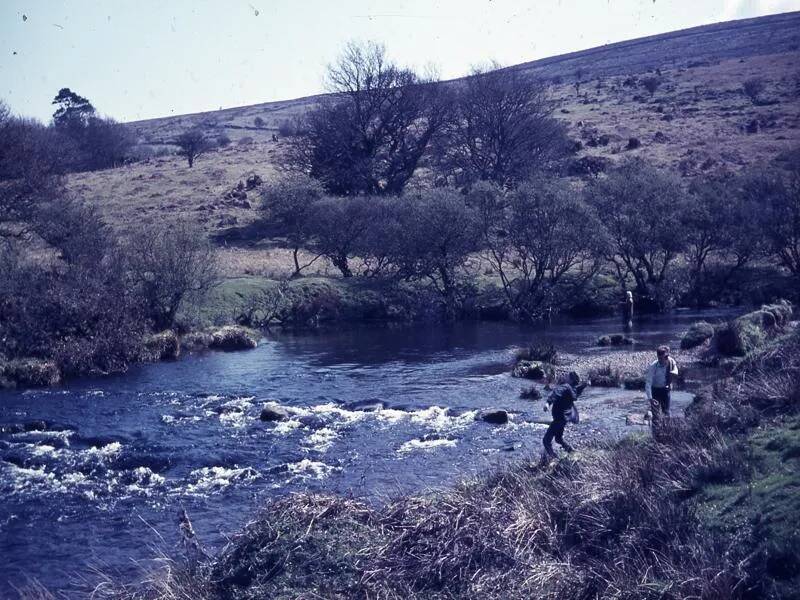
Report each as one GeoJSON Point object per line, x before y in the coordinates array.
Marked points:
{"type": "Point", "coordinates": [705, 508]}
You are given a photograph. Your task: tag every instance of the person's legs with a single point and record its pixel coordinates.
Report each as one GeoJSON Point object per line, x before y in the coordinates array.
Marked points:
{"type": "Point", "coordinates": [559, 435]}
{"type": "Point", "coordinates": [659, 405]}
{"type": "Point", "coordinates": [552, 431]}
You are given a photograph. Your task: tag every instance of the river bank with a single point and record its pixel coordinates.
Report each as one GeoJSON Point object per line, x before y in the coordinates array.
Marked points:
{"type": "Point", "coordinates": [647, 516]}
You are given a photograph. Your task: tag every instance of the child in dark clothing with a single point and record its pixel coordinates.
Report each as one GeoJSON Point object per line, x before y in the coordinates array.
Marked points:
{"type": "Point", "coordinates": [562, 399]}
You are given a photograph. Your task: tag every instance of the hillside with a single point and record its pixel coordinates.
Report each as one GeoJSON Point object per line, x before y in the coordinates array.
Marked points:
{"type": "Point", "coordinates": [698, 120]}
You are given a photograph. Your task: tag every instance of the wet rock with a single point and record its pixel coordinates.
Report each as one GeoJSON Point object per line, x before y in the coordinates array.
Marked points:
{"type": "Point", "coordinates": [274, 413]}
{"type": "Point", "coordinates": [636, 419]}
{"type": "Point", "coordinates": [278, 469]}
{"type": "Point", "coordinates": [37, 425]}
{"type": "Point", "coordinates": [366, 405]}
{"type": "Point", "coordinates": [12, 428]}
{"type": "Point", "coordinates": [529, 369]}
{"type": "Point", "coordinates": [494, 416]}
{"type": "Point", "coordinates": [312, 422]}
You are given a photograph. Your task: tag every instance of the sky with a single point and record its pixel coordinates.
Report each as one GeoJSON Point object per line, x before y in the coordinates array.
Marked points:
{"type": "Point", "coordinates": [139, 59]}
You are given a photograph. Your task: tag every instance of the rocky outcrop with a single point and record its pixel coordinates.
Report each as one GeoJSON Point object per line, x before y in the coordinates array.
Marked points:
{"type": "Point", "coordinates": [614, 339]}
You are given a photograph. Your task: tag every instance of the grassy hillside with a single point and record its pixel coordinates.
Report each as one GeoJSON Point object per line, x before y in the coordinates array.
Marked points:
{"type": "Point", "coordinates": [698, 120]}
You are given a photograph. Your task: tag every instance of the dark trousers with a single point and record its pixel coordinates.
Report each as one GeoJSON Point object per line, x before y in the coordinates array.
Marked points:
{"type": "Point", "coordinates": [555, 430]}
{"type": "Point", "coordinates": [659, 404]}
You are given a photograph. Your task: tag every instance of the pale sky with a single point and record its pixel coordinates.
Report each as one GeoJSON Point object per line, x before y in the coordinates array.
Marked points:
{"type": "Point", "coordinates": [137, 59]}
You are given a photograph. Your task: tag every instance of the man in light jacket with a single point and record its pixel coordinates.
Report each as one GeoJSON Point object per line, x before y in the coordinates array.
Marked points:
{"type": "Point", "coordinates": [658, 383]}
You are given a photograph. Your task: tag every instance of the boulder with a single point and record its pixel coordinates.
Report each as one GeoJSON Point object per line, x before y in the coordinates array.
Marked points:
{"type": "Point", "coordinates": [494, 416]}
{"type": "Point", "coordinates": [312, 422]}
{"type": "Point", "coordinates": [366, 405]}
{"type": "Point", "coordinates": [529, 369]}
{"type": "Point", "coordinates": [273, 412]}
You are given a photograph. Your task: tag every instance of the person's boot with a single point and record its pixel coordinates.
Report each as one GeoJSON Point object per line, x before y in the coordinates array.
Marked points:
{"type": "Point", "coordinates": [549, 452]}
{"type": "Point", "coordinates": [567, 447]}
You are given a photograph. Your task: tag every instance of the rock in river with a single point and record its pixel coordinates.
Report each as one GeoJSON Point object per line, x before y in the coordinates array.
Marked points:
{"type": "Point", "coordinates": [274, 412]}
{"type": "Point", "coordinates": [494, 416]}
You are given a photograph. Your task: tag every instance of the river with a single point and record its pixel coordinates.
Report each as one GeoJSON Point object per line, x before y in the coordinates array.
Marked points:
{"type": "Point", "coordinates": [93, 473]}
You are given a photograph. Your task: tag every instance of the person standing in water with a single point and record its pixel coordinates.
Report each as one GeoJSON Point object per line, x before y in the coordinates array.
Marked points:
{"type": "Point", "coordinates": [627, 311]}
{"type": "Point", "coordinates": [562, 400]}
{"type": "Point", "coordinates": [658, 384]}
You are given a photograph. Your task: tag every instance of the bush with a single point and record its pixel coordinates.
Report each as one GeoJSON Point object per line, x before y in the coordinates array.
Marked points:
{"type": "Point", "coordinates": [614, 339]}
{"type": "Point", "coordinates": [537, 352]}
{"type": "Point", "coordinates": [258, 122]}
{"type": "Point", "coordinates": [530, 393]}
{"type": "Point", "coordinates": [697, 334]}
{"type": "Point", "coordinates": [752, 88]}
{"type": "Point", "coordinates": [29, 373]}
{"type": "Point", "coordinates": [223, 141]}
{"type": "Point", "coordinates": [605, 376]}
{"type": "Point", "coordinates": [633, 143]}
{"type": "Point", "coordinates": [161, 346]}
{"type": "Point", "coordinates": [738, 337]}
{"type": "Point", "coordinates": [233, 337]}
{"type": "Point", "coordinates": [634, 382]}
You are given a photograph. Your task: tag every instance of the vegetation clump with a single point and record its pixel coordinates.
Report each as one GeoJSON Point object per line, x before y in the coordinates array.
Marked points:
{"type": "Point", "coordinates": [605, 376]}
{"type": "Point", "coordinates": [234, 337]}
{"type": "Point", "coordinates": [614, 339]}
{"type": "Point", "coordinates": [697, 333]}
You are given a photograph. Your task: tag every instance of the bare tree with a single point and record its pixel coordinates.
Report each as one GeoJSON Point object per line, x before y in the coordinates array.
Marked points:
{"type": "Point", "coordinates": [370, 135]}
{"type": "Point", "coordinates": [170, 266]}
{"type": "Point", "coordinates": [502, 129]}
{"type": "Point", "coordinates": [193, 143]}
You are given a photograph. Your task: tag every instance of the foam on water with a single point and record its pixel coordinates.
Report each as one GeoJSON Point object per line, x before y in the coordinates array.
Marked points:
{"type": "Point", "coordinates": [215, 479]}
{"type": "Point", "coordinates": [310, 468]}
{"type": "Point", "coordinates": [416, 444]}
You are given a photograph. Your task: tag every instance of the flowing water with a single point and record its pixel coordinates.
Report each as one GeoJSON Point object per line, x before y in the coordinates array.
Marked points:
{"type": "Point", "coordinates": [93, 474]}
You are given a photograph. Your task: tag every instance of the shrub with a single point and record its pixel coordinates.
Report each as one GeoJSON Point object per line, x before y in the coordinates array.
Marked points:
{"type": "Point", "coordinates": [537, 352]}
{"type": "Point", "coordinates": [738, 337]}
{"type": "Point", "coordinates": [233, 337]}
{"type": "Point", "coordinates": [245, 141]}
{"type": "Point", "coordinates": [633, 143]}
{"type": "Point", "coordinates": [29, 373]}
{"type": "Point", "coordinates": [614, 339]}
{"type": "Point", "coordinates": [605, 376]}
{"type": "Point", "coordinates": [752, 88]}
{"type": "Point", "coordinates": [258, 122]}
{"type": "Point", "coordinates": [634, 382]}
{"type": "Point", "coordinates": [530, 393]}
{"type": "Point", "coordinates": [697, 334]}
{"type": "Point", "coordinates": [161, 346]}
{"type": "Point", "coordinates": [223, 141]}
